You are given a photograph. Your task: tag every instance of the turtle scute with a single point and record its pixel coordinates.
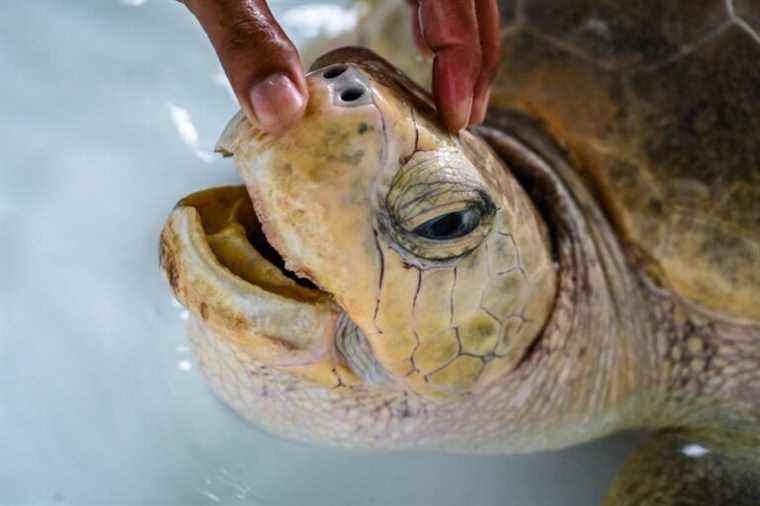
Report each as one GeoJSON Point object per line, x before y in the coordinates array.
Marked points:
{"type": "Point", "coordinates": [655, 103]}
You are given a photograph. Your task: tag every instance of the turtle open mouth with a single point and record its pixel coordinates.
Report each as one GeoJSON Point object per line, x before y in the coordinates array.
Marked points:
{"type": "Point", "coordinates": [225, 272]}
{"type": "Point", "coordinates": [258, 240]}
{"type": "Point", "coordinates": [235, 236]}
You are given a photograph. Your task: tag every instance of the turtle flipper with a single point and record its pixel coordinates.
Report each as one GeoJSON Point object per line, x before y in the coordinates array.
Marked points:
{"type": "Point", "coordinates": [671, 470]}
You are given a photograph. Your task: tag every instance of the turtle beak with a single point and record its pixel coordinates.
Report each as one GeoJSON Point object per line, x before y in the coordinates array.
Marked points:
{"type": "Point", "coordinates": [345, 84]}
{"type": "Point", "coordinates": [224, 251]}
{"type": "Point", "coordinates": [272, 268]}
{"type": "Point", "coordinates": [223, 271]}
{"type": "Point", "coordinates": [313, 182]}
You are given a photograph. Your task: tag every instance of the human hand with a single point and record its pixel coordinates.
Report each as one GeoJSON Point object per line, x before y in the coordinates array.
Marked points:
{"type": "Point", "coordinates": [463, 36]}
{"type": "Point", "coordinates": [260, 61]}
{"type": "Point", "coordinates": [264, 69]}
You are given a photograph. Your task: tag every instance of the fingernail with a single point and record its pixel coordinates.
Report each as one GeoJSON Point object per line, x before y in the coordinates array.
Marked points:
{"type": "Point", "coordinates": [479, 109]}
{"type": "Point", "coordinates": [453, 87]}
{"type": "Point", "coordinates": [276, 102]}
{"type": "Point", "coordinates": [463, 109]}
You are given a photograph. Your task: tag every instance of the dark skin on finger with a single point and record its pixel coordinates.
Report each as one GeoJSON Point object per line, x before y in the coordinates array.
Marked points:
{"type": "Point", "coordinates": [464, 39]}
{"type": "Point", "coordinates": [264, 68]}
{"type": "Point", "coordinates": [260, 61]}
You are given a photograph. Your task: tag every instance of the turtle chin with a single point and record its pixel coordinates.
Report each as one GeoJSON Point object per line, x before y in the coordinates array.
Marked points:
{"type": "Point", "coordinates": [223, 269]}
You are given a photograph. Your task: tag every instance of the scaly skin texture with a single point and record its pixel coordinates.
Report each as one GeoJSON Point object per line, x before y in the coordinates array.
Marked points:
{"type": "Point", "coordinates": [700, 381]}
{"type": "Point", "coordinates": [632, 377]}
{"type": "Point", "coordinates": [661, 473]}
{"type": "Point", "coordinates": [647, 317]}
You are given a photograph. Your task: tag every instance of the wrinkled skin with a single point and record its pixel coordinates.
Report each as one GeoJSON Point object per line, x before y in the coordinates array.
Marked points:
{"type": "Point", "coordinates": [533, 328]}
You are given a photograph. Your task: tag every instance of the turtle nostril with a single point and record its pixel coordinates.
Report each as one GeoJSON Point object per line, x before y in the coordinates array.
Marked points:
{"type": "Point", "coordinates": [351, 94]}
{"type": "Point", "coordinates": [348, 86]}
{"type": "Point", "coordinates": [334, 72]}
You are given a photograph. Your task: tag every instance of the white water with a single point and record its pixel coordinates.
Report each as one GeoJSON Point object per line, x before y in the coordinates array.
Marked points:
{"type": "Point", "coordinates": [108, 114]}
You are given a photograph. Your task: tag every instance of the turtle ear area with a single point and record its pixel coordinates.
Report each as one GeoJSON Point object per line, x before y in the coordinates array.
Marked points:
{"type": "Point", "coordinates": [381, 71]}
{"type": "Point", "coordinates": [228, 141]}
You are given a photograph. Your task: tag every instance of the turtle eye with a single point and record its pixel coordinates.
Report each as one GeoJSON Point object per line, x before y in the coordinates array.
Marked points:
{"type": "Point", "coordinates": [437, 209]}
{"type": "Point", "coordinates": [450, 225]}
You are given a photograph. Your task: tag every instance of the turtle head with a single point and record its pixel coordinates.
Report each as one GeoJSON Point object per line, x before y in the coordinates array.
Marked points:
{"type": "Point", "coordinates": [439, 263]}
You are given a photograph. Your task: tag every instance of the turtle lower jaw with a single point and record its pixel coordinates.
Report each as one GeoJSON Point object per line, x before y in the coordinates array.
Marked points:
{"type": "Point", "coordinates": [226, 273]}
{"type": "Point", "coordinates": [233, 232]}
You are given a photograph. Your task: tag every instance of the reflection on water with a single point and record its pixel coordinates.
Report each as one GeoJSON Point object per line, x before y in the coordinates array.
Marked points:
{"type": "Point", "coordinates": [226, 485]}
{"type": "Point", "coordinates": [183, 122]}
{"type": "Point", "coordinates": [694, 451]}
{"type": "Point", "coordinates": [109, 115]}
{"type": "Point", "coordinates": [315, 20]}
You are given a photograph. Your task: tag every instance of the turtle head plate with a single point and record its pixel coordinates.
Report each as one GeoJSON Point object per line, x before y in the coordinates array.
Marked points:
{"type": "Point", "coordinates": [407, 258]}
{"type": "Point", "coordinates": [439, 263]}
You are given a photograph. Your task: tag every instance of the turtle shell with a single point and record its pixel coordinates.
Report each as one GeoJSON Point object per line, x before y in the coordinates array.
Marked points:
{"type": "Point", "coordinates": [658, 106]}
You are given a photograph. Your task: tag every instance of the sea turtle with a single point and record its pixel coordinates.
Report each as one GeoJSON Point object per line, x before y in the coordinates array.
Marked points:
{"type": "Point", "coordinates": [586, 261]}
